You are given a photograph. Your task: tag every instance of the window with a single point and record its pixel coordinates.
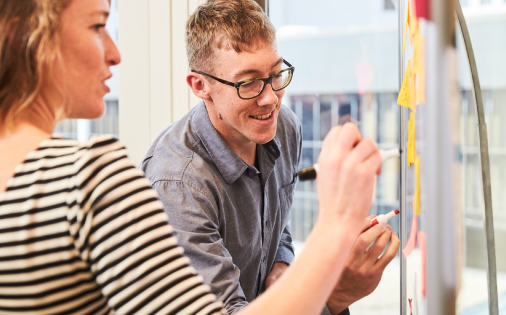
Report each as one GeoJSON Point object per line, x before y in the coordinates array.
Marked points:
{"type": "Point", "coordinates": [346, 61]}
{"type": "Point", "coordinates": [82, 129]}
{"type": "Point", "coordinates": [389, 5]}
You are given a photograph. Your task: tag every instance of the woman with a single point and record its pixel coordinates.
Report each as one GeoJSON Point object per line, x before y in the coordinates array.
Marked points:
{"type": "Point", "coordinates": [80, 229]}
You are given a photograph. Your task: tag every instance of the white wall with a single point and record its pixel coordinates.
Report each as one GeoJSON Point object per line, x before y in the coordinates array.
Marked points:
{"type": "Point", "coordinates": [153, 91]}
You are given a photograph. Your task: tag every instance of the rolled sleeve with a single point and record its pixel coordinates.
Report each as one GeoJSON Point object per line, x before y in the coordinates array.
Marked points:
{"type": "Point", "coordinates": [286, 251]}
{"type": "Point", "coordinates": [195, 221]}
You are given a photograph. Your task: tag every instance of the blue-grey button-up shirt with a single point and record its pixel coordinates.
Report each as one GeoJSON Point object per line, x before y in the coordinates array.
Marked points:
{"type": "Point", "coordinates": [230, 217]}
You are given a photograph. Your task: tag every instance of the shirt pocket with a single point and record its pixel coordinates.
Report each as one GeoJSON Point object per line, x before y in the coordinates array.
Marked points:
{"type": "Point", "coordinates": [286, 195]}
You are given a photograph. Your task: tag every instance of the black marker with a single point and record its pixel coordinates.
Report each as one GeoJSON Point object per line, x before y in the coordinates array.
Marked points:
{"type": "Point", "coordinates": [310, 172]}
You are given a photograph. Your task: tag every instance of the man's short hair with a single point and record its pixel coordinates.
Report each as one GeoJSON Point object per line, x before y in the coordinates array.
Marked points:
{"type": "Point", "coordinates": [240, 24]}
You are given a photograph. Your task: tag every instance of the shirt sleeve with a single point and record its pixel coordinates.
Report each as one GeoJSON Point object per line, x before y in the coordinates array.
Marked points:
{"type": "Point", "coordinates": [285, 252]}
{"type": "Point", "coordinates": [122, 234]}
{"type": "Point", "coordinates": [196, 224]}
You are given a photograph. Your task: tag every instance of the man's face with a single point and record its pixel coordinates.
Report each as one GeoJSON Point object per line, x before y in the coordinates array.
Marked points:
{"type": "Point", "coordinates": [244, 122]}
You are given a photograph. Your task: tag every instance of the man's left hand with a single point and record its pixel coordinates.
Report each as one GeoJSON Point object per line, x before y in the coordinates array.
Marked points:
{"type": "Point", "coordinates": [364, 268]}
{"type": "Point", "coordinates": [277, 270]}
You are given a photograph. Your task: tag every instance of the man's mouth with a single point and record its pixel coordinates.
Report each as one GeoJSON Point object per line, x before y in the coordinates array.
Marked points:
{"type": "Point", "coordinates": [263, 117]}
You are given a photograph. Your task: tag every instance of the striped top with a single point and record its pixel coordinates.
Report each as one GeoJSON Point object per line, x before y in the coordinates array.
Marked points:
{"type": "Point", "coordinates": [81, 231]}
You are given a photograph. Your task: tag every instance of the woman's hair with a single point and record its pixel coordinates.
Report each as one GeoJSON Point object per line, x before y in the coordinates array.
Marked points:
{"type": "Point", "coordinates": [29, 45]}
{"type": "Point", "coordinates": [238, 23]}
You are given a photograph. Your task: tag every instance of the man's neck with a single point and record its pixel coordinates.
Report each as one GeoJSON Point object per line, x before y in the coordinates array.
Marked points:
{"type": "Point", "coordinates": [243, 147]}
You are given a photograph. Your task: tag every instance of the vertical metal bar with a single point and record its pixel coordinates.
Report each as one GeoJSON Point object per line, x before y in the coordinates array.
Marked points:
{"type": "Point", "coordinates": [493, 303]}
{"type": "Point", "coordinates": [402, 173]}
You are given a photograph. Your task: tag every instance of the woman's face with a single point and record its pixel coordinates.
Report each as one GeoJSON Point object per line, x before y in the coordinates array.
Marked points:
{"type": "Point", "coordinates": [87, 53]}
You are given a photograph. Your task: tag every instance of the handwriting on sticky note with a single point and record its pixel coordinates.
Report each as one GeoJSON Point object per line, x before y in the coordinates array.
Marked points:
{"type": "Point", "coordinates": [412, 237]}
{"type": "Point", "coordinates": [417, 200]}
{"type": "Point", "coordinates": [403, 98]}
{"type": "Point", "coordinates": [411, 155]}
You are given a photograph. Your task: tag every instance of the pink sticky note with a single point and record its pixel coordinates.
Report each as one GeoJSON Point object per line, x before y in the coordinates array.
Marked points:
{"type": "Point", "coordinates": [412, 236]}
{"type": "Point", "coordinates": [423, 249]}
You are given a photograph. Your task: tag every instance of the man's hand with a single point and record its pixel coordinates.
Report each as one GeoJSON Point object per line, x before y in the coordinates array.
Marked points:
{"type": "Point", "coordinates": [364, 269]}
{"type": "Point", "coordinates": [277, 270]}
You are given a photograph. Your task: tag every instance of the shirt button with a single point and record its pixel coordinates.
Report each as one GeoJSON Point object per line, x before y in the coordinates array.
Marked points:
{"type": "Point", "coordinates": [265, 258]}
{"type": "Point", "coordinates": [266, 222]}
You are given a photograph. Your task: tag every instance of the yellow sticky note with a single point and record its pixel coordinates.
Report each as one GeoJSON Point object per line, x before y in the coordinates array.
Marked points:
{"type": "Point", "coordinates": [415, 67]}
{"type": "Point", "coordinates": [420, 71]}
{"type": "Point", "coordinates": [417, 200]}
{"type": "Point", "coordinates": [403, 98]}
{"type": "Point", "coordinates": [412, 92]}
{"type": "Point", "coordinates": [411, 140]}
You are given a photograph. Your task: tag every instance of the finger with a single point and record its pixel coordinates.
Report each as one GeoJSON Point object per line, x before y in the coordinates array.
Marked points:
{"type": "Point", "coordinates": [349, 137]}
{"type": "Point", "coordinates": [364, 149]}
{"type": "Point", "coordinates": [367, 223]}
{"type": "Point", "coordinates": [373, 162]}
{"type": "Point", "coordinates": [365, 239]}
{"type": "Point", "coordinates": [379, 169]}
{"type": "Point", "coordinates": [390, 253]}
{"type": "Point", "coordinates": [330, 140]}
{"type": "Point", "coordinates": [379, 246]}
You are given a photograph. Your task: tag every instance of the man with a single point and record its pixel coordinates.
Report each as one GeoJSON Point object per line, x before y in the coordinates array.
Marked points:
{"type": "Point", "coordinates": [226, 171]}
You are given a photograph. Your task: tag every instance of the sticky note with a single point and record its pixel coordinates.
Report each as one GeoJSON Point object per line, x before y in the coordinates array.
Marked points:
{"type": "Point", "coordinates": [403, 98]}
{"type": "Point", "coordinates": [412, 92]}
{"type": "Point", "coordinates": [412, 237]}
{"type": "Point", "coordinates": [422, 244]}
{"type": "Point", "coordinates": [420, 68]}
{"type": "Point", "coordinates": [422, 9]}
{"type": "Point", "coordinates": [411, 154]}
{"type": "Point", "coordinates": [417, 200]}
{"type": "Point", "coordinates": [413, 23]}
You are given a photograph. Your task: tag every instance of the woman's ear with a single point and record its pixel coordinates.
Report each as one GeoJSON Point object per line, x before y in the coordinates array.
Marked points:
{"type": "Point", "coordinates": [197, 84]}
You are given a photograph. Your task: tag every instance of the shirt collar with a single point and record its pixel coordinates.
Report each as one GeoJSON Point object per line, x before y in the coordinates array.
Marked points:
{"type": "Point", "coordinates": [229, 164]}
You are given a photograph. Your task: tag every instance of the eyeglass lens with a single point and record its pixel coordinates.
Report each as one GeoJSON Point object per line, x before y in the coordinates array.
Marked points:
{"type": "Point", "coordinates": [254, 88]}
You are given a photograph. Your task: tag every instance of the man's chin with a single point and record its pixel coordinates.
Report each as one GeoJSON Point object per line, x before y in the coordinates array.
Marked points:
{"type": "Point", "coordinates": [264, 138]}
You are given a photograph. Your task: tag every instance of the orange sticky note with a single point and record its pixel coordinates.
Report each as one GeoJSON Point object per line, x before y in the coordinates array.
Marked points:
{"type": "Point", "coordinates": [417, 201]}
{"type": "Point", "coordinates": [411, 155]}
{"type": "Point", "coordinates": [412, 237]}
{"type": "Point", "coordinates": [403, 98]}
{"type": "Point", "coordinates": [423, 251]}
{"type": "Point", "coordinates": [413, 23]}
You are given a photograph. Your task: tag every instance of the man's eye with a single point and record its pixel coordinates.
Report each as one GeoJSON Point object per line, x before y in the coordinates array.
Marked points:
{"type": "Point", "coordinates": [98, 27]}
{"type": "Point", "coordinates": [247, 84]}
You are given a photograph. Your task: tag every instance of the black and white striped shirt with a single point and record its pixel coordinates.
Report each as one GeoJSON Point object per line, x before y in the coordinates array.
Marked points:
{"type": "Point", "coordinates": [81, 231]}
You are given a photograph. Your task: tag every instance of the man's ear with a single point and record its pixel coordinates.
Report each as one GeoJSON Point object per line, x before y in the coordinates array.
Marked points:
{"type": "Point", "coordinates": [196, 83]}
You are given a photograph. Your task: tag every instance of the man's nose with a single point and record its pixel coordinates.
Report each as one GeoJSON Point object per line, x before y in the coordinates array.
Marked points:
{"type": "Point", "coordinates": [268, 96]}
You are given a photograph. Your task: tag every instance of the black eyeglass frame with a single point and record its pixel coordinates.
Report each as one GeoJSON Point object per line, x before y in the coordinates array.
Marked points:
{"type": "Point", "coordinates": [266, 80]}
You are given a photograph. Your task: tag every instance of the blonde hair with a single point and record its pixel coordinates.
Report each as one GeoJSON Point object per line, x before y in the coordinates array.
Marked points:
{"type": "Point", "coordinates": [29, 44]}
{"type": "Point", "coordinates": [238, 23]}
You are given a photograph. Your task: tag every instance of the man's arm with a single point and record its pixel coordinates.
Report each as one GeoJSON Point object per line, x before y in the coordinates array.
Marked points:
{"type": "Point", "coordinates": [364, 268]}
{"type": "Point", "coordinates": [194, 218]}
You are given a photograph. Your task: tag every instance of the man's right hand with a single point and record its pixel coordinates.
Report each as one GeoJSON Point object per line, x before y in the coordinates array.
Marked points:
{"type": "Point", "coordinates": [364, 268]}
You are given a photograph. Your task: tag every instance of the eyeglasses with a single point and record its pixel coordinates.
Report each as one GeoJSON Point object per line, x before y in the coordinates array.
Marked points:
{"type": "Point", "coordinates": [252, 88]}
